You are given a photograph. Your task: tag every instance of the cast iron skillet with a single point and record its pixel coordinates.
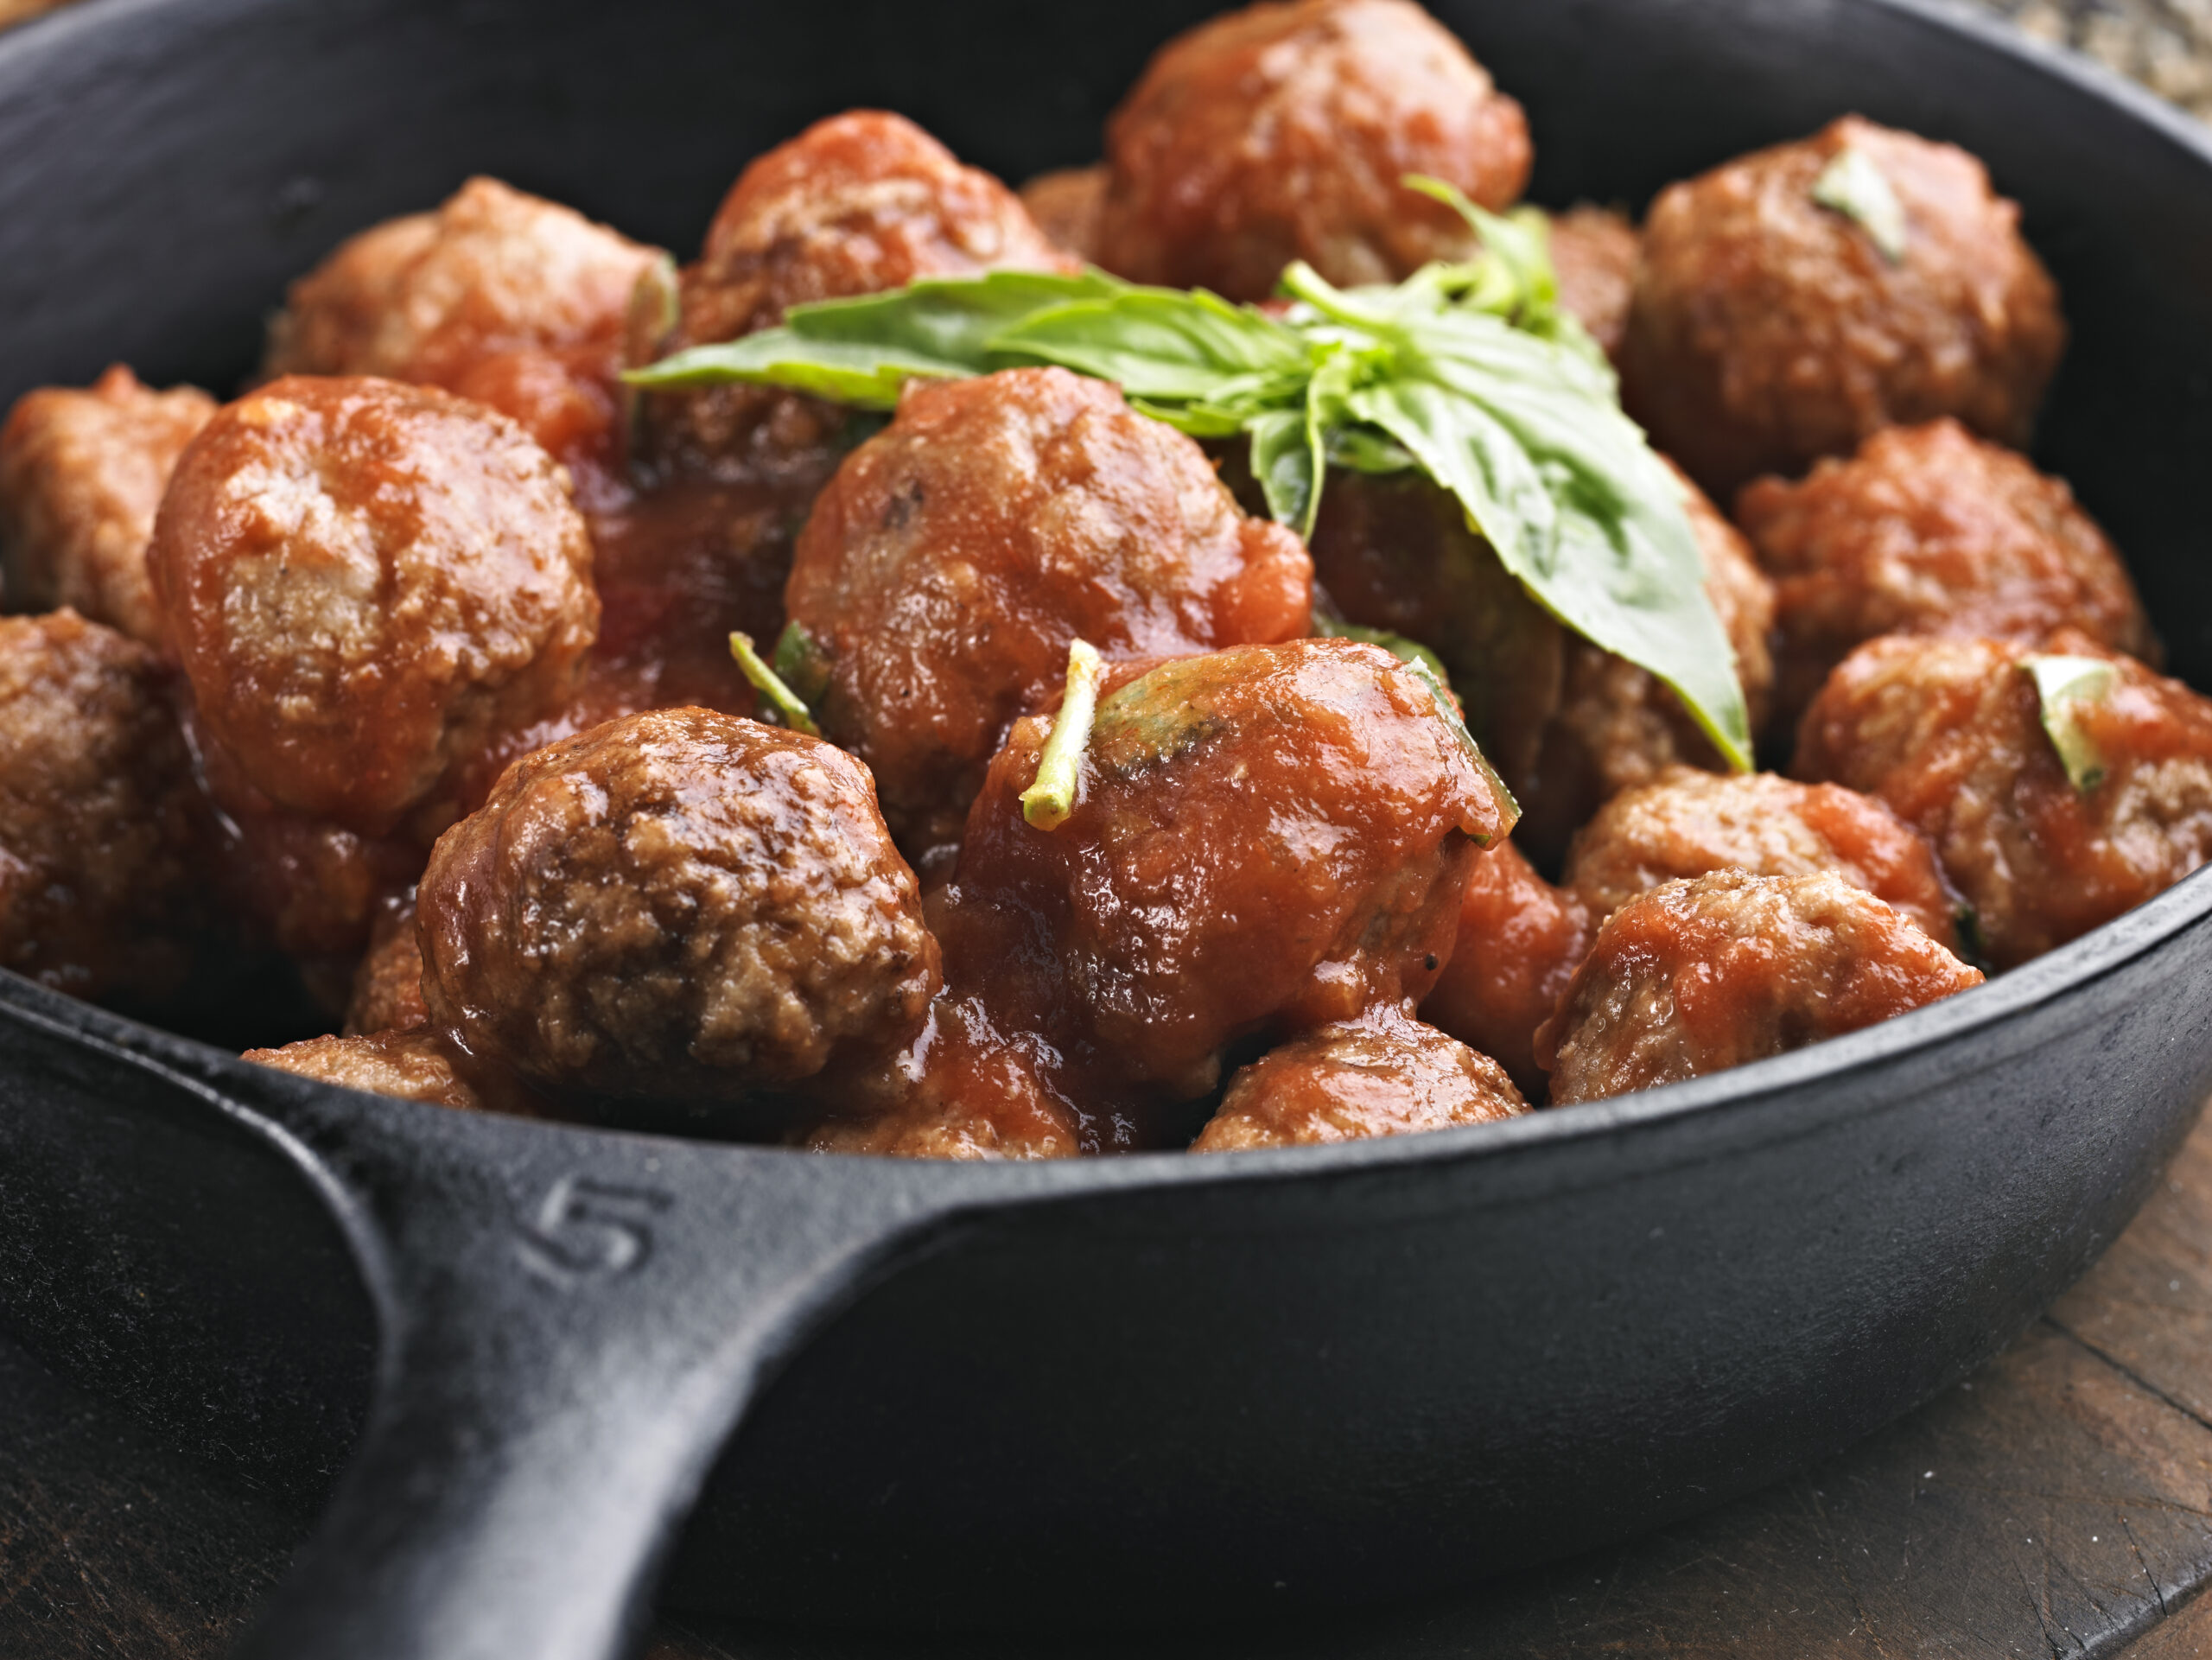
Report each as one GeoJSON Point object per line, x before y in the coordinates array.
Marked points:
{"type": "Point", "coordinates": [1136, 1389]}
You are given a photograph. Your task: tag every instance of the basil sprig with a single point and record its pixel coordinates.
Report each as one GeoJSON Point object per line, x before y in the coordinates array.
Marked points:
{"type": "Point", "coordinates": [1468, 372]}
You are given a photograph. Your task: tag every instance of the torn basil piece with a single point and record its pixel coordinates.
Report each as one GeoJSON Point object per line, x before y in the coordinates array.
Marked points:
{"type": "Point", "coordinates": [2064, 685]}
{"type": "Point", "coordinates": [1854, 186]}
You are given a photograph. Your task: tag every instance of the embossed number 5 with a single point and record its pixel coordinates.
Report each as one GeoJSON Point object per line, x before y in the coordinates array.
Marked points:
{"type": "Point", "coordinates": [585, 1230]}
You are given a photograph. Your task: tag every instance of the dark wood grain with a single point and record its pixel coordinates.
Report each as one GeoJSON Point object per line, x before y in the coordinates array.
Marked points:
{"type": "Point", "coordinates": [2059, 1503]}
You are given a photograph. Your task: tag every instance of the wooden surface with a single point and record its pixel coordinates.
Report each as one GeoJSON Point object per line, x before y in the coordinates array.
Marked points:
{"type": "Point", "coordinates": [2059, 1503]}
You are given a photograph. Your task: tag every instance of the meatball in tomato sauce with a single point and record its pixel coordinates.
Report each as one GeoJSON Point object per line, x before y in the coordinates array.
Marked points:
{"type": "Point", "coordinates": [1771, 326]}
{"type": "Point", "coordinates": [1283, 131]}
{"type": "Point", "coordinates": [857, 204]}
{"type": "Point", "coordinates": [1687, 823]}
{"type": "Point", "coordinates": [1696, 976]}
{"type": "Point", "coordinates": [415, 1064]}
{"type": "Point", "coordinates": [948, 566]}
{"type": "Point", "coordinates": [97, 812]}
{"type": "Point", "coordinates": [81, 476]}
{"type": "Point", "coordinates": [1952, 733]}
{"type": "Point", "coordinates": [1519, 942]}
{"type": "Point", "coordinates": [367, 583]}
{"type": "Point", "coordinates": [1928, 530]}
{"type": "Point", "coordinates": [679, 907]}
{"type": "Point", "coordinates": [1264, 840]}
{"type": "Point", "coordinates": [1384, 1076]}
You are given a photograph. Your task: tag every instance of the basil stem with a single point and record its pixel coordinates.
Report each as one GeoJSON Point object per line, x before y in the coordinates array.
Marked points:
{"type": "Point", "coordinates": [1046, 804]}
{"type": "Point", "coordinates": [1854, 186]}
{"type": "Point", "coordinates": [2064, 685]}
{"type": "Point", "coordinates": [789, 711]}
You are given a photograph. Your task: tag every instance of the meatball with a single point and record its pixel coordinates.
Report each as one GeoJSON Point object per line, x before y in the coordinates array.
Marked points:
{"type": "Point", "coordinates": [676, 906]}
{"type": "Point", "coordinates": [1950, 734]}
{"type": "Point", "coordinates": [366, 583]}
{"type": "Point", "coordinates": [960, 1089]}
{"type": "Point", "coordinates": [1767, 330]}
{"type": "Point", "coordinates": [387, 993]}
{"type": "Point", "coordinates": [1283, 131]}
{"type": "Point", "coordinates": [857, 204]}
{"type": "Point", "coordinates": [81, 474]}
{"type": "Point", "coordinates": [947, 567]}
{"type": "Point", "coordinates": [1594, 251]}
{"type": "Point", "coordinates": [1519, 943]}
{"type": "Point", "coordinates": [1387, 1076]}
{"type": "Point", "coordinates": [423, 298]}
{"type": "Point", "coordinates": [1688, 824]}
{"type": "Point", "coordinates": [1066, 206]}
{"type": "Point", "coordinates": [1930, 530]}
{"type": "Point", "coordinates": [414, 1064]}
{"type": "Point", "coordinates": [97, 822]}
{"type": "Point", "coordinates": [1618, 726]}
{"type": "Point", "coordinates": [1266, 839]}
{"type": "Point", "coordinates": [1696, 976]}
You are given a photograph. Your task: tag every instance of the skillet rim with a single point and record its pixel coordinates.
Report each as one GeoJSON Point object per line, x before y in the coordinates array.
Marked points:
{"type": "Point", "coordinates": [207, 1071]}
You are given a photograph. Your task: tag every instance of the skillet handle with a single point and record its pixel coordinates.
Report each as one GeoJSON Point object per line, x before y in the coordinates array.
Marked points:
{"type": "Point", "coordinates": [572, 1325]}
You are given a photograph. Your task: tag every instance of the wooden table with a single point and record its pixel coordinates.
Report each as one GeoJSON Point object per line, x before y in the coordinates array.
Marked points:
{"type": "Point", "coordinates": [2059, 1503]}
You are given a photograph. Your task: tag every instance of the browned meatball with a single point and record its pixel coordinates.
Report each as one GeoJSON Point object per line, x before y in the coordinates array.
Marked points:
{"type": "Point", "coordinates": [415, 1064]}
{"type": "Point", "coordinates": [96, 810]}
{"type": "Point", "coordinates": [1519, 943]}
{"type": "Point", "coordinates": [1065, 205]}
{"type": "Point", "coordinates": [1687, 823]}
{"type": "Point", "coordinates": [1282, 132]}
{"type": "Point", "coordinates": [1767, 330]}
{"type": "Point", "coordinates": [1594, 251]}
{"type": "Point", "coordinates": [1950, 733]}
{"type": "Point", "coordinates": [366, 583]}
{"type": "Point", "coordinates": [423, 298]}
{"type": "Point", "coordinates": [857, 204]}
{"type": "Point", "coordinates": [1266, 839]}
{"type": "Point", "coordinates": [81, 474]}
{"type": "Point", "coordinates": [387, 992]}
{"type": "Point", "coordinates": [1930, 530]}
{"type": "Point", "coordinates": [960, 1089]}
{"type": "Point", "coordinates": [1695, 977]}
{"type": "Point", "coordinates": [1617, 726]}
{"type": "Point", "coordinates": [1385, 1076]}
{"type": "Point", "coordinates": [957, 554]}
{"type": "Point", "coordinates": [677, 906]}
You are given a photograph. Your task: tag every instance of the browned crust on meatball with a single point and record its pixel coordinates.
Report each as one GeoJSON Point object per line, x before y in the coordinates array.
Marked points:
{"type": "Point", "coordinates": [366, 583]}
{"type": "Point", "coordinates": [493, 269]}
{"type": "Point", "coordinates": [857, 204]}
{"type": "Point", "coordinates": [1519, 942]}
{"type": "Point", "coordinates": [960, 1089]}
{"type": "Point", "coordinates": [1767, 331]}
{"type": "Point", "coordinates": [1066, 205]}
{"type": "Point", "coordinates": [387, 994]}
{"type": "Point", "coordinates": [1696, 976]}
{"type": "Point", "coordinates": [1688, 824]}
{"type": "Point", "coordinates": [97, 824]}
{"type": "Point", "coordinates": [1385, 1076]}
{"type": "Point", "coordinates": [1618, 726]}
{"type": "Point", "coordinates": [679, 906]}
{"type": "Point", "coordinates": [1283, 131]}
{"type": "Point", "coordinates": [1928, 530]}
{"type": "Point", "coordinates": [1949, 734]}
{"type": "Point", "coordinates": [81, 475]}
{"type": "Point", "coordinates": [954, 557]}
{"type": "Point", "coordinates": [1594, 251]}
{"type": "Point", "coordinates": [414, 1064]}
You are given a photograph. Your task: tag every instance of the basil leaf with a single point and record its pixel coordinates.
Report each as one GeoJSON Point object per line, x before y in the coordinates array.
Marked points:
{"type": "Point", "coordinates": [1288, 471]}
{"type": "Point", "coordinates": [1405, 651]}
{"type": "Point", "coordinates": [1854, 186]}
{"type": "Point", "coordinates": [1163, 343]}
{"type": "Point", "coordinates": [2063, 686]}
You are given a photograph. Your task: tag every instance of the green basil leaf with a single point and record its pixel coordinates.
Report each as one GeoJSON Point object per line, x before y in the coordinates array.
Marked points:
{"type": "Point", "coordinates": [1284, 462]}
{"type": "Point", "coordinates": [844, 371]}
{"type": "Point", "coordinates": [1166, 344]}
{"type": "Point", "coordinates": [1855, 187]}
{"type": "Point", "coordinates": [2063, 686]}
{"type": "Point", "coordinates": [1405, 651]}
